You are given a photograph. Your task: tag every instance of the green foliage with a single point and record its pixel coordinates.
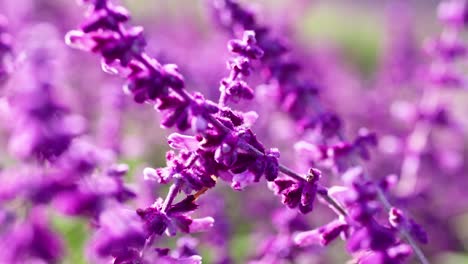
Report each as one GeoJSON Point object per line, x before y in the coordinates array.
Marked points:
{"type": "Point", "coordinates": [452, 258]}
{"type": "Point", "coordinates": [75, 231]}
{"type": "Point", "coordinates": [359, 35]}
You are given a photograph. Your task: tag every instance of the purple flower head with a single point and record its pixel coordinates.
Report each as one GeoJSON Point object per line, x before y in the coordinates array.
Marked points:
{"type": "Point", "coordinates": [184, 115]}
{"type": "Point", "coordinates": [144, 84]}
{"type": "Point", "coordinates": [298, 194]}
{"type": "Point", "coordinates": [110, 45]}
{"type": "Point", "coordinates": [175, 218]}
{"type": "Point", "coordinates": [175, 165]}
{"type": "Point", "coordinates": [194, 171]}
{"type": "Point", "coordinates": [271, 164]}
{"type": "Point", "coordinates": [247, 47]}
{"type": "Point", "coordinates": [175, 112]}
{"type": "Point", "coordinates": [249, 169]}
{"type": "Point", "coordinates": [238, 65]}
{"type": "Point", "coordinates": [372, 236]}
{"type": "Point", "coordinates": [232, 88]}
{"type": "Point", "coordinates": [218, 154]}
{"type": "Point", "coordinates": [149, 84]}
{"type": "Point", "coordinates": [236, 90]}
{"type": "Point", "coordinates": [103, 34]}
{"type": "Point", "coordinates": [366, 234]}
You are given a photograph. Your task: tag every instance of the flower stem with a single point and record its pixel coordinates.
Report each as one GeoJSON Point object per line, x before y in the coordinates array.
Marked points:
{"type": "Point", "coordinates": [171, 195]}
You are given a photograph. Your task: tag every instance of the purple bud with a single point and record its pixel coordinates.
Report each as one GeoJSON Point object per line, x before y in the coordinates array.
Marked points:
{"type": "Point", "coordinates": [246, 47]}
{"type": "Point", "coordinates": [155, 221]}
{"type": "Point", "coordinates": [237, 90]}
{"type": "Point", "coordinates": [271, 168]}
{"type": "Point", "coordinates": [172, 77]}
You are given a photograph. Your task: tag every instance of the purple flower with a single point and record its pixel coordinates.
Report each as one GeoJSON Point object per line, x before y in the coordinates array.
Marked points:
{"type": "Point", "coordinates": [247, 47]}
{"type": "Point", "coordinates": [120, 231]}
{"type": "Point", "coordinates": [175, 218]}
{"type": "Point", "coordinates": [91, 194]}
{"type": "Point", "coordinates": [24, 242]}
{"type": "Point", "coordinates": [237, 90]}
{"type": "Point", "coordinates": [298, 194]}
{"type": "Point", "coordinates": [151, 84]}
{"type": "Point", "coordinates": [111, 43]}
{"type": "Point", "coordinates": [185, 167]}
{"type": "Point", "coordinates": [372, 236]}
{"type": "Point", "coordinates": [322, 235]}
{"type": "Point", "coordinates": [232, 88]}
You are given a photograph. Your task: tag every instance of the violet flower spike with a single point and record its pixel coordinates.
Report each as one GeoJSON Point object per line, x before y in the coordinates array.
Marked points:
{"type": "Point", "coordinates": [176, 97]}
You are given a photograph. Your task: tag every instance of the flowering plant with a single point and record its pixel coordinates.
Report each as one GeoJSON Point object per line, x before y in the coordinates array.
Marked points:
{"type": "Point", "coordinates": [262, 154]}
